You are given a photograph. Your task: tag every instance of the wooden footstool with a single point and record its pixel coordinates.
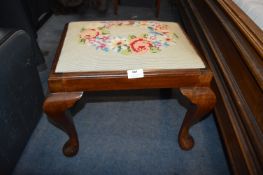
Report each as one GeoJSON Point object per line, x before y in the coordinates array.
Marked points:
{"type": "Point", "coordinates": [121, 55]}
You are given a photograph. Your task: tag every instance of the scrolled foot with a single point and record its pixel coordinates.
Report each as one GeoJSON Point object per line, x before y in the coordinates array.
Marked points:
{"type": "Point", "coordinates": [186, 141]}
{"type": "Point", "coordinates": [70, 148]}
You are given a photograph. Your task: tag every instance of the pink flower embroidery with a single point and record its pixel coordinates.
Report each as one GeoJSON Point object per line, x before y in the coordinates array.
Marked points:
{"type": "Point", "coordinates": [161, 29]}
{"type": "Point", "coordinates": [89, 34]}
{"type": "Point", "coordinates": [105, 38]}
{"type": "Point", "coordinates": [153, 38]}
{"type": "Point", "coordinates": [140, 45]}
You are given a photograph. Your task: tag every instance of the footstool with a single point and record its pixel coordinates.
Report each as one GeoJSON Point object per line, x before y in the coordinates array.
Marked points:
{"type": "Point", "coordinates": [124, 55]}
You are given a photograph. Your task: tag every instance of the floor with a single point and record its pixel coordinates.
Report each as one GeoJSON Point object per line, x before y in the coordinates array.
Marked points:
{"type": "Point", "coordinates": [123, 132]}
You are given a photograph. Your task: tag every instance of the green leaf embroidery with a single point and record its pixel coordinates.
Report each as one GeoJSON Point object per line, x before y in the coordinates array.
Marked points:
{"type": "Point", "coordinates": [82, 41]}
{"type": "Point", "coordinates": [176, 36]}
{"type": "Point", "coordinates": [119, 48]}
{"type": "Point", "coordinates": [154, 50]}
{"type": "Point", "coordinates": [130, 37]}
{"type": "Point", "coordinates": [101, 28]}
{"type": "Point", "coordinates": [145, 35]}
{"type": "Point", "coordinates": [126, 52]}
{"type": "Point", "coordinates": [104, 31]}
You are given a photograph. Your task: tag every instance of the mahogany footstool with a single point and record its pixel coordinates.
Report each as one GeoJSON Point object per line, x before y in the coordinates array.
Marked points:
{"type": "Point", "coordinates": [124, 55]}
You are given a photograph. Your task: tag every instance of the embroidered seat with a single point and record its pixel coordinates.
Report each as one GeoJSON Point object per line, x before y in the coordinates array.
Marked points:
{"type": "Point", "coordinates": [123, 45]}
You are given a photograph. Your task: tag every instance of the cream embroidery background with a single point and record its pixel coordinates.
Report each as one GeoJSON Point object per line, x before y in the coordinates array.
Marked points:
{"type": "Point", "coordinates": [76, 57]}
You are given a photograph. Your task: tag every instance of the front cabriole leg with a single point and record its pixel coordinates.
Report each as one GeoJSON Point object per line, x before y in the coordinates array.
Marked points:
{"type": "Point", "coordinates": [202, 101]}
{"type": "Point", "coordinates": [55, 106]}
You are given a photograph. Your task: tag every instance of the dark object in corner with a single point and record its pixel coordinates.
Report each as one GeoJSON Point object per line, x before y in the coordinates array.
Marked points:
{"type": "Point", "coordinates": [79, 6]}
{"type": "Point", "coordinates": [25, 15]}
{"type": "Point", "coordinates": [70, 3]}
{"type": "Point", "coordinates": [21, 96]}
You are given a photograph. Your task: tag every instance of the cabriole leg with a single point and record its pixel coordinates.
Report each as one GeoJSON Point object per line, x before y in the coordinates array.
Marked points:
{"type": "Point", "coordinates": [202, 102]}
{"type": "Point", "coordinates": [55, 106]}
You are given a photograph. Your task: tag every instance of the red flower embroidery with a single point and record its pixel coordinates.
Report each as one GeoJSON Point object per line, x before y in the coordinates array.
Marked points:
{"type": "Point", "coordinates": [140, 45]}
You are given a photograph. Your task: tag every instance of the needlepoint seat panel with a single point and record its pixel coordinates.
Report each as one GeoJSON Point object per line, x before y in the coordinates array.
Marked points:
{"type": "Point", "coordinates": [124, 45]}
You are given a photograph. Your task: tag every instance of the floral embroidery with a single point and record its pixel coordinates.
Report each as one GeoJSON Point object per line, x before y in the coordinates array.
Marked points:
{"type": "Point", "coordinates": [157, 38]}
{"type": "Point", "coordinates": [140, 45]}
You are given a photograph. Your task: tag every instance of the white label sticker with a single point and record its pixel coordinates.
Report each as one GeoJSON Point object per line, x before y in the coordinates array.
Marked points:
{"type": "Point", "coordinates": [138, 73]}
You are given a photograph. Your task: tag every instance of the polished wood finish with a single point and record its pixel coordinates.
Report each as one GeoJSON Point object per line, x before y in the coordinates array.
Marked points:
{"type": "Point", "coordinates": [158, 6]}
{"type": "Point", "coordinates": [232, 46]}
{"type": "Point", "coordinates": [116, 6]}
{"type": "Point", "coordinates": [67, 88]}
{"type": "Point", "coordinates": [55, 106]}
{"type": "Point", "coordinates": [253, 33]}
{"type": "Point", "coordinates": [202, 102]}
